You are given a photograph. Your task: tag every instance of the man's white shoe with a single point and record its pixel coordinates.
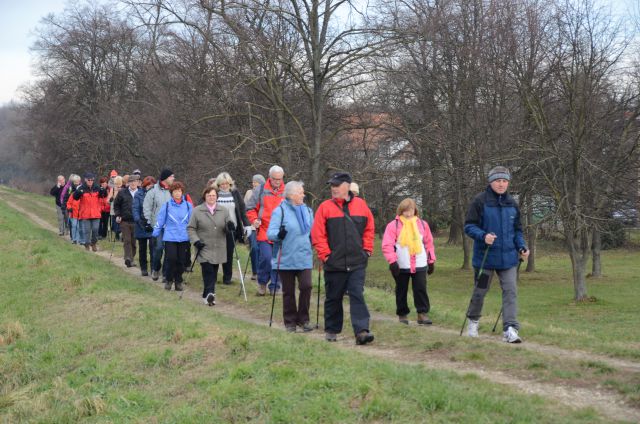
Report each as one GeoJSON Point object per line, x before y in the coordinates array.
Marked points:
{"type": "Point", "coordinates": [472, 328]}
{"type": "Point", "coordinates": [210, 299]}
{"type": "Point", "coordinates": [511, 336]}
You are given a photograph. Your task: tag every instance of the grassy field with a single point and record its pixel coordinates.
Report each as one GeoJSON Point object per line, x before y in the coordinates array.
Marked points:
{"type": "Point", "coordinates": [82, 340]}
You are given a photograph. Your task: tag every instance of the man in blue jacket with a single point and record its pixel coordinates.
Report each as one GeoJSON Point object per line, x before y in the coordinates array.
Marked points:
{"type": "Point", "coordinates": [493, 222]}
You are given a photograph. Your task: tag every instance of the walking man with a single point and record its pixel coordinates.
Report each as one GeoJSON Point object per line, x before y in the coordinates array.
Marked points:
{"type": "Point", "coordinates": [342, 235]}
{"type": "Point", "coordinates": [60, 208]}
{"type": "Point", "coordinates": [123, 205]}
{"type": "Point", "coordinates": [265, 199]}
{"type": "Point", "coordinates": [153, 201]}
{"type": "Point", "coordinates": [493, 222]}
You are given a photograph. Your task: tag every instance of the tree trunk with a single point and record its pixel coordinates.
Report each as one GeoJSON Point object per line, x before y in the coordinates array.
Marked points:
{"type": "Point", "coordinates": [579, 252]}
{"type": "Point", "coordinates": [467, 244]}
{"type": "Point", "coordinates": [596, 248]}
{"type": "Point", "coordinates": [455, 229]}
{"type": "Point", "coordinates": [532, 235]}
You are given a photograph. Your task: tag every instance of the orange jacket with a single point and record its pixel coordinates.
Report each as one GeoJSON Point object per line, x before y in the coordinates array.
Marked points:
{"type": "Point", "coordinates": [90, 201]}
{"type": "Point", "coordinates": [73, 206]}
{"type": "Point", "coordinates": [264, 200]}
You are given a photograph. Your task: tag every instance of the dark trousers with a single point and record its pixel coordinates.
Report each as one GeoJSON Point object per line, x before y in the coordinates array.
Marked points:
{"type": "Point", "coordinates": [157, 250]}
{"type": "Point", "coordinates": [266, 273]}
{"type": "Point", "coordinates": [336, 284]}
{"type": "Point", "coordinates": [128, 241]}
{"type": "Point", "coordinates": [104, 225]}
{"type": "Point", "coordinates": [295, 314]}
{"type": "Point", "coordinates": [420, 296]}
{"type": "Point", "coordinates": [143, 243]}
{"type": "Point", "coordinates": [176, 256]}
{"type": "Point", "coordinates": [227, 267]}
{"type": "Point", "coordinates": [115, 227]}
{"type": "Point", "coordinates": [209, 277]}
{"type": "Point", "coordinates": [255, 251]}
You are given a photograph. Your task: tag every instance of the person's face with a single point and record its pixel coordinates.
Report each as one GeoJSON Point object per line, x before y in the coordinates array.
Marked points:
{"type": "Point", "coordinates": [255, 184]}
{"type": "Point", "coordinates": [133, 184]}
{"type": "Point", "coordinates": [408, 213]}
{"type": "Point", "coordinates": [297, 197]}
{"type": "Point", "coordinates": [340, 191]}
{"type": "Point", "coordinates": [276, 179]}
{"type": "Point", "coordinates": [500, 185]}
{"type": "Point", "coordinates": [61, 181]}
{"type": "Point", "coordinates": [176, 194]}
{"type": "Point", "coordinates": [211, 198]}
{"type": "Point", "coordinates": [89, 181]}
{"type": "Point", "coordinates": [149, 187]}
{"type": "Point", "coordinates": [170, 180]}
{"type": "Point", "coordinates": [103, 185]}
{"type": "Point", "coordinates": [224, 186]}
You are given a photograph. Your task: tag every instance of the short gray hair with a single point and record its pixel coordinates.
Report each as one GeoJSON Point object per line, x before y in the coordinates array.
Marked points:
{"type": "Point", "coordinates": [291, 187]}
{"type": "Point", "coordinates": [275, 169]}
{"type": "Point", "coordinates": [74, 178]}
{"type": "Point", "coordinates": [222, 177]}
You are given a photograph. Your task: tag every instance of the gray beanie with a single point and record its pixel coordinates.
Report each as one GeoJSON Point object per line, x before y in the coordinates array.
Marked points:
{"type": "Point", "coordinates": [259, 179]}
{"type": "Point", "coordinates": [499, 172]}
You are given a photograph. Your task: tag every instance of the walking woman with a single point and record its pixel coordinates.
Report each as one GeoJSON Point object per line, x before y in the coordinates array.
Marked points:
{"type": "Point", "coordinates": [173, 218]}
{"type": "Point", "coordinates": [105, 210]}
{"type": "Point", "coordinates": [407, 245]}
{"type": "Point", "coordinates": [207, 231]}
{"type": "Point", "coordinates": [290, 230]}
{"type": "Point", "coordinates": [73, 210]}
{"type": "Point", "coordinates": [230, 198]}
{"type": "Point", "coordinates": [142, 230]}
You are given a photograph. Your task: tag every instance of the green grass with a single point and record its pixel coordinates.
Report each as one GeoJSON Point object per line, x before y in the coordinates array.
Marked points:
{"type": "Point", "coordinates": [83, 341]}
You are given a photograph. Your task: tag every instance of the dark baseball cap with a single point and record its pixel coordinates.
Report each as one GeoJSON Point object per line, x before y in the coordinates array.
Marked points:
{"type": "Point", "coordinates": [339, 178]}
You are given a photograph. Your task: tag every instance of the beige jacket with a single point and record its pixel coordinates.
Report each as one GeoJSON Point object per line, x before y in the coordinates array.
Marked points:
{"type": "Point", "coordinates": [209, 229]}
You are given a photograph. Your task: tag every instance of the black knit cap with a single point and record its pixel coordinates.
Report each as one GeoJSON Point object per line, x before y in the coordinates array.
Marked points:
{"type": "Point", "coordinates": [166, 173]}
{"type": "Point", "coordinates": [339, 178]}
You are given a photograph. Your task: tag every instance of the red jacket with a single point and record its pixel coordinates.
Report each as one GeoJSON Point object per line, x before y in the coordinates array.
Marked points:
{"type": "Point", "coordinates": [264, 200]}
{"type": "Point", "coordinates": [343, 243]}
{"type": "Point", "coordinates": [72, 207]}
{"type": "Point", "coordinates": [90, 201]}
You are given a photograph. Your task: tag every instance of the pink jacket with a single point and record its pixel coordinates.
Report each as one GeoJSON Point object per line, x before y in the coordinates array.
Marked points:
{"type": "Point", "coordinates": [393, 252]}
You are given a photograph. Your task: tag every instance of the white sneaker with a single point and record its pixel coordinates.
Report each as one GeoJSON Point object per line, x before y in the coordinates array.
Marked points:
{"type": "Point", "coordinates": [511, 336]}
{"type": "Point", "coordinates": [210, 299]}
{"type": "Point", "coordinates": [204, 299]}
{"type": "Point", "coordinates": [472, 328]}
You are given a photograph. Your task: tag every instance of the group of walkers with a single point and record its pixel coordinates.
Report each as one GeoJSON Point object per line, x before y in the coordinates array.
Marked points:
{"type": "Point", "coordinates": [158, 219]}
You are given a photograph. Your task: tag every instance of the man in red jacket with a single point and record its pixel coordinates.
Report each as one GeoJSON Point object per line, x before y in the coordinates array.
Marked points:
{"type": "Point", "coordinates": [90, 209]}
{"type": "Point", "coordinates": [342, 234]}
{"type": "Point", "coordinates": [264, 200]}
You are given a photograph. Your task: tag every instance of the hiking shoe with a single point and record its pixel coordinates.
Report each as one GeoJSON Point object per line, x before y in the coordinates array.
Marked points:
{"type": "Point", "coordinates": [262, 289]}
{"type": "Point", "coordinates": [210, 299]}
{"type": "Point", "coordinates": [403, 319]}
{"type": "Point", "coordinates": [127, 262]}
{"type": "Point", "coordinates": [155, 275]}
{"type": "Point", "coordinates": [511, 336]}
{"type": "Point", "coordinates": [364, 337]}
{"type": "Point", "coordinates": [167, 285]}
{"type": "Point", "coordinates": [472, 328]}
{"type": "Point", "coordinates": [423, 319]}
{"type": "Point", "coordinates": [306, 327]}
{"type": "Point", "coordinates": [94, 247]}
{"type": "Point", "coordinates": [86, 247]}
{"type": "Point", "coordinates": [226, 282]}
{"type": "Point", "coordinates": [179, 287]}
{"type": "Point", "coordinates": [164, 280]}
{"type": "Point", "coordinates": [254, 277]}
{"type": "Point", "coordinates": [290, 329]}
{"type": "Point", "coordinates": [144, 273]}
{"type": "Point", "coordinates": [331, 337]}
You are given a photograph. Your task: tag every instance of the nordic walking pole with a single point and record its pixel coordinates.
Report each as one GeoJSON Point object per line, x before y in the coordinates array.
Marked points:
{"type": "Point", "coordinates": [520, 260]}
{"type": "Point", "coordinates": [242, 288]}
{"type": "Point", "coordinates": [475, 281]}
{"type": "Point", "coordinates": [113, 243]}
{"type": "Point", "coordinates": [190, 271]}
{"type": "Point", "coordinates": [275, 284]}
{"type": "Point", "coordinates": [318, 303]}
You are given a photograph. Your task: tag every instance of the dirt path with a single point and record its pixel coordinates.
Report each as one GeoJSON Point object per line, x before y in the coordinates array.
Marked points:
{"type": "Point", "coordinates": [606, 403]}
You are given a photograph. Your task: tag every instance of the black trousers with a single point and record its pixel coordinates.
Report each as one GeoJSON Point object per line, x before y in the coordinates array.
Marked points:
{"type": "Point", "coordinates": [420, 297]}
{"type": "Point", "coordinates": [295, 314]}
{"type": "Point", "coordinates": [143, 243]}
{"type": "Point", "coordinates": [336, 285]}
{"type": "Point", "coordinates": [209, 277]}
{"type": "Point", "coordinates": [176, 256]}
{"type": "Point", "coordinates": [104, 225]}
{"type": "Point", "coordinates": [227, 267]}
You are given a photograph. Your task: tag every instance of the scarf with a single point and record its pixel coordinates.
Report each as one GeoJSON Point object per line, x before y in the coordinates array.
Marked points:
{"type": "Point", "coordinates": [303, 218]}
{"type": "Point", "coordinates": [410, 236]}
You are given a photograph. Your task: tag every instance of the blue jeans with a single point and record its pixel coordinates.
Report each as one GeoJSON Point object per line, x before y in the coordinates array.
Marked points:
{"type": "Point", "coordinates": [90, 229]}
{"type": "Point", "coordinates": [254, 253]}
{"type": "Point", "coordinates": [265, 273]}
{"type": "Point", "coordinates": [76, 231]}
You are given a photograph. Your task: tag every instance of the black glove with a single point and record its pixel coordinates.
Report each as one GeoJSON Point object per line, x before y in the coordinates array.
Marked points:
{"type": "Point", "coordinates": [80, 191]}
{"type": "Point", "coordinates": [230, 227]}
{"type": "Point", "coordinates": [431, 268]}
{"type": "Point", "coordinates": [199, 245]}
{"type": "Point", "coordinates": [282, 233]}
{"type": "Point", "coordinates": [148, 227]}
{"type": "Point", "coordinates": [395, 269]}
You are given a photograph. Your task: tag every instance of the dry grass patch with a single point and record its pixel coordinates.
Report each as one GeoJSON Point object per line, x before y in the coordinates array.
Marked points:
{"type": "Point", "coordinates": [11, 332]}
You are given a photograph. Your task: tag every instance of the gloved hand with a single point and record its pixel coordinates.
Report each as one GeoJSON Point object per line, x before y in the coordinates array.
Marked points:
{"type": "Point", "coordinates": [230, 227]}
{"type": "Point", "coordinates": [199, 244]}
{"type": "Point", "coordinates": [395, 269]}
{"type": "Point", "coordinates": [431, 267]}
{"type": "Point", "coordinates": [80, 191]}
{"type": "Point", "coordinates": [282, 233]}
{"type": "Point", "coordinates": [148, 227]}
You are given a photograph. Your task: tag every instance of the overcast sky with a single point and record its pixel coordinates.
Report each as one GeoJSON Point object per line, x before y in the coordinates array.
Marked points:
{"type": "Point", "coordinates": [19, 18]}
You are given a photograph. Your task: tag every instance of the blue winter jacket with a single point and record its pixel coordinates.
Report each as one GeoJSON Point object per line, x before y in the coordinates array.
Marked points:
{"type": "Point", "coordinates": [138, 215]}
{"type": "Point", "coordinates": [499, 214]}
{"type": "Point", "coordinates": [296, 246]}
{"type": "Point", "coordinates": [173, 218]}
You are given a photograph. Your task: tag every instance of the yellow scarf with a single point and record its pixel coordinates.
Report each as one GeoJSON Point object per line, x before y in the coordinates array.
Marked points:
{"type": "Point", "coordinates": [410, 236]}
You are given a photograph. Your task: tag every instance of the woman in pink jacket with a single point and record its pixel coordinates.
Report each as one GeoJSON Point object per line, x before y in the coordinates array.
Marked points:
{"type": "Point", "coordinates": [407, 245]}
